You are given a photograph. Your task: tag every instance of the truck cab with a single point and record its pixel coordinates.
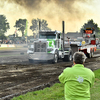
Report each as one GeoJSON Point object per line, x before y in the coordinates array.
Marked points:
{"type": "Point", "coordinates": [52, 38]}
{"type": "Point", "coordinates": [46, 47]}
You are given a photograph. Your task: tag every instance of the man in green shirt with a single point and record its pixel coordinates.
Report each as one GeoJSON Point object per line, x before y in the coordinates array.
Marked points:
{"type": "Point", "coordinates": [77, 79]}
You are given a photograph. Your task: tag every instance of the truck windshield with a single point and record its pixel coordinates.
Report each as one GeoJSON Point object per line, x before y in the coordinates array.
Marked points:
{"type": "Point", "coordinates": [47, 35]}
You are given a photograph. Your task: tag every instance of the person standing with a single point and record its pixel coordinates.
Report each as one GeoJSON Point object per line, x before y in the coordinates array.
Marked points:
{"type": "Point", "coordinates": [77, 79]}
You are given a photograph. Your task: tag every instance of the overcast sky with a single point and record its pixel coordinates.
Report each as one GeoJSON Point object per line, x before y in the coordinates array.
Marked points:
{"type": "Point", "coordinates": [74, 12]}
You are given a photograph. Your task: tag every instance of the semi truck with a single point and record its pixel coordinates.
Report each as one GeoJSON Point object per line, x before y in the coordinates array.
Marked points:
{"type": "Point", "coordinates": [51, 46]}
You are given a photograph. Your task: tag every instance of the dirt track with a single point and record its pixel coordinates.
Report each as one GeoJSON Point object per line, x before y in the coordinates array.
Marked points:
{"type": "Point", "coordinates": [21, 78]}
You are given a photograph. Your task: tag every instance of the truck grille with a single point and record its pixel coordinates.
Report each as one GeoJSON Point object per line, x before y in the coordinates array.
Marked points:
{"type": "Point", "coordinates": [39, 47]}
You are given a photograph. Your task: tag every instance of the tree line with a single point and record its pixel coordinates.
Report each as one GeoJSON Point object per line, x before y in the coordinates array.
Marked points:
{"type": "Point", "coordinates": [22, 25]}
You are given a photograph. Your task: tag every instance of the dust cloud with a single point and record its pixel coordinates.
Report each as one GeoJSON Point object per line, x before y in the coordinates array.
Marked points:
{"type": "Point", "coordinates": [54, 11]}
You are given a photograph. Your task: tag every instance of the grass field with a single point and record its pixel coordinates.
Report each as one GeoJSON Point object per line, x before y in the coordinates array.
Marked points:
{"type": "Point", "coordinates": [56, 92]}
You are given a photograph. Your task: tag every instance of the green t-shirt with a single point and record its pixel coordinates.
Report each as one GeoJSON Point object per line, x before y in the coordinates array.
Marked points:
{"type": "Point", "coordinates": [77, 82]}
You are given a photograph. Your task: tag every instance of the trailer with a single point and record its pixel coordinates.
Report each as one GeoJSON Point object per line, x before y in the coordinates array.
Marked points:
{"type": "Point", "coordinates": [51, 46]}
{"type": "Point", "coordinates": [87, 43]}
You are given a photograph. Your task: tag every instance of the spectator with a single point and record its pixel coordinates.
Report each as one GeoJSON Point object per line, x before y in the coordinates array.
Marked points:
{"type": "Point", "coordinates": [77, 80]}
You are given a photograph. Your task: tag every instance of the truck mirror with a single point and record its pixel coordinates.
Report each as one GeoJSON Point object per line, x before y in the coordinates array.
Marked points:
{"type": "Point", "coordinates": [58, 36]}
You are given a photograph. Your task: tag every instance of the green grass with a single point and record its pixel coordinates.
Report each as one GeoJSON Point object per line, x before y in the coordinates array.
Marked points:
{"type": "Point", "coordinates": [56, 92]}
{"type": "Point", "coordinates": [95, 90]}
{"type": "Point", "coordinates": [53, 93]}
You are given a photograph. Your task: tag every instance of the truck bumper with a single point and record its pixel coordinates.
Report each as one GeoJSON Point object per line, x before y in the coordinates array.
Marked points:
{"type": "Point", "coordinates": [41, 56]}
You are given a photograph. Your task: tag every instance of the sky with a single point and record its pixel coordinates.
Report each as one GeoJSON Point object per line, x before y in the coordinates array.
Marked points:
{"type": "Point", "coordinates": [74, 12]}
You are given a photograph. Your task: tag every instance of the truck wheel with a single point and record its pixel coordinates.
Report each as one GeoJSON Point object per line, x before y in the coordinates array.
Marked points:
{"type": "Point", "coordinates": [68, 57]}
{"type": "Point", "coordinates": [92, 54]}
{"type": "Point", "coordinates": [88, 55]}
{"type": "Point", "coordinates": [55, 59]}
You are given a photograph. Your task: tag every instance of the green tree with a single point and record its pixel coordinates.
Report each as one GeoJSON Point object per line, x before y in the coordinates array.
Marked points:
{"type": "Point", "coordinates": [21, 25]}
{"type": "Point", "coordinates": [90, 24]}
{"type": "Point", "coordinates": [35, 25]}
{"type": "Point", "coordinates": [4, 26]}
{"type": "Point", "coordinates": [44, 25]}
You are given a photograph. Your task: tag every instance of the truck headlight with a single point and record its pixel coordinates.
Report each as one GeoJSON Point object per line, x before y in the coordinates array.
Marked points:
{"type": "Point", "coordinates": [30, 47]}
